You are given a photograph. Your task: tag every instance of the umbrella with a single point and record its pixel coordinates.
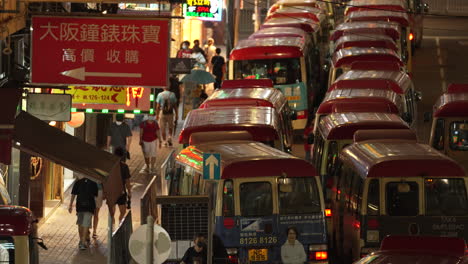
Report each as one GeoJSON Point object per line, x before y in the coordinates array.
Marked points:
{"type": "Point", "coordinates": [199, 77]}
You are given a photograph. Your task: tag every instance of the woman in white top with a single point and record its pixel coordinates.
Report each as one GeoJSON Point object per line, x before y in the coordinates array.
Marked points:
{"type": "Point", "coordinates": [200, 60]}
{"type": "Point", "coordinates": [292, 251]}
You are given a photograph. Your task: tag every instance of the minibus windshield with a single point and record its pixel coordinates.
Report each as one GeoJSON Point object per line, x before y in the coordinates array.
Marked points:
{"type": "Point", "coordinates": [280, 71]}
{"type": "Point", "coordinates": [459, 135]}
{"type": "Point", "coordinates": [7, 250]}
{"type": "Point", "coordinates": [445, 197]}
{"type": "Point", "coordinates": [256, 199]}
{"type": "Point", "coordinates": [301, 198]}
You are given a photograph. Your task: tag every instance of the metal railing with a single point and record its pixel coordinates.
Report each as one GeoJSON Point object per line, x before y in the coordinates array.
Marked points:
{"type": "Point", "coordinates": [156, 187]}
{"type": "Point", "coordinates": [119, 251]}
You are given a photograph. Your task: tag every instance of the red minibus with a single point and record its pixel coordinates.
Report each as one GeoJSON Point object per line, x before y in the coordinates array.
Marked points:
{"type": "Point", "coordinates": [449, 133]}
{"type": "Point", "coordinates": [264, 123]}
{"type": "Point", "coordinates": [395, 187]}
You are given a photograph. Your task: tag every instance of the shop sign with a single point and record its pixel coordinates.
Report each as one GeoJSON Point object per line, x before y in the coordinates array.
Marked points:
{"type": "Point", "coordinates": [181, 65]}
{"type": "Point", "coordinates": [98, 94]}
{"type": "Point", "coordinates": [203, 9]}
{"type": "Point", "coordinates": [100, 51]}
{"type": "Point", "coordinates": [104, 98]}
{"type": "Point", "coordinates": [49, 107]}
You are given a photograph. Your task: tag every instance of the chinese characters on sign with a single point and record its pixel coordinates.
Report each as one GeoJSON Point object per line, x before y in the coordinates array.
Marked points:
{"type": "Point", "coordinates": [99, 51]}
{"type": "Point", "coordinates": [49, 107]}
{"type": "Point", "coordinates": [111, 98]}
{"type": "Point", "coordinates": [204, 9]}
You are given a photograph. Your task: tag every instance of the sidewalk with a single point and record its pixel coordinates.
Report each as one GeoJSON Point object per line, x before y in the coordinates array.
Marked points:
{"type": "Point", "coordinates": [60, 232]}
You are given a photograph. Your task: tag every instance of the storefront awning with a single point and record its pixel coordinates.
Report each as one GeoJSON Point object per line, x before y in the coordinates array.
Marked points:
{"type": "Point", "coordinates": [8, 105]}
{"type": "Point", "coordinates": [36, 137]}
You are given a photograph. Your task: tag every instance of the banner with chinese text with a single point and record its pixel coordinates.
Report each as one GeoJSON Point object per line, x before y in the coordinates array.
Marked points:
{"type": "Point", "coordinates": [99, 51]}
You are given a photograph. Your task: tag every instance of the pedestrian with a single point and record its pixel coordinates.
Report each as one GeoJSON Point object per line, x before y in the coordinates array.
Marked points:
{"type": "Point", "coordinates": [119, 135]}
{"type": "Point", "coordinates": [197, 253]}
{"type": "Point", "coordinates": [85, 191]}
{"type": "Point", "coordinates": [210, 52]}
{"type": "Point", "coordinates": [125, 198]}
{"type": "Point", "coordinates": [167, 115]}
{"type": "Point", "coordinates": [149, 132]}
{"type": "Point", "coordinates": [292, 251]}
{"type": "Point", "coordinates": [184, 51]}
{"type": "Point", "coordinates": [200, 60]}
{"type": "Point", "coordinates": [308, 132]}
{"type": "Point", "coordinates": [218, 68]}
{"type": "Point", "coordinates": [175, 87]}
{"type": "Point", "coordinates": [99, 200]}
{"type": "Point", "coordinates": [196, 44]}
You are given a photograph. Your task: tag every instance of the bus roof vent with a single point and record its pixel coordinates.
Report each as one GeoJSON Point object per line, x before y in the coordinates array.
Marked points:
{"type": "Point", "coordinates": [452, 246]}
{"type": "Point", "coordinates": [385, 135]}
{"type": "Point", "coordinates": [204, 137]}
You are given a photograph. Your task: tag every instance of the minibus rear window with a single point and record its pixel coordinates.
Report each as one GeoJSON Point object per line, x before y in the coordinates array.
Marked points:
{"type": "Point", "coordinates": [445, 197]}
{"type": "Point", "coordinates": [301, 198]}
{"type": "Point", "coordinates": [402, 198]}
{"type": "Point", "coordinates": [7, 250]}
{"type": "Point", "coordinates": [256, 199]}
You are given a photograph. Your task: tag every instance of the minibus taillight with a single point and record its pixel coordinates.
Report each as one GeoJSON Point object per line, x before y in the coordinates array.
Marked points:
{"type": "Point", "coordinates": [301, 114]}
{"type": "Point", "coordinates": [373, 224]}
{"type": "Point", "coordinates": [318, 252]}
{"type": "Point", "coordinates": [356, 224]}
{"type": "Point", "coordinates": [328, 212]}
{"type": "Point", "coordinates": [232, 255]}
{"type": "Point", "coordinates": [411, 36]}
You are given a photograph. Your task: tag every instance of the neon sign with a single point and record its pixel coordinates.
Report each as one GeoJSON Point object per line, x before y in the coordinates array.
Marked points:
{"type": "Point", "coordinates": [204, 9]}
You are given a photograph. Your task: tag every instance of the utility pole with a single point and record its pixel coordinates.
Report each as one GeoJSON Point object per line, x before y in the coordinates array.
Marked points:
{"type": "Point", "coordinates": [236, 20]}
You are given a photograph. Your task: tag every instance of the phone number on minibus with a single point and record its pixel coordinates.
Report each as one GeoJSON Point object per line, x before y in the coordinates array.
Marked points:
{"type": "Point", "coordinates": [258, 240]}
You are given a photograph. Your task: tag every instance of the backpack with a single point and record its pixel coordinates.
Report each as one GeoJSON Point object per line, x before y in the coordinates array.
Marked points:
{"type": "Point", "coordinates": [167, 105]}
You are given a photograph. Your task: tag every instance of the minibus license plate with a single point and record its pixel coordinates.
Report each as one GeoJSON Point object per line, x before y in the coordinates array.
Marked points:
{"type": "Point", "coordinates": [258, 254]}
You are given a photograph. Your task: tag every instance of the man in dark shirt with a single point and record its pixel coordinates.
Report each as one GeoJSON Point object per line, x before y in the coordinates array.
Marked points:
{"type": "Point", "coordinates": [126, 195]}
{"type": "Point", "coordinates": [119, 135]}
{"type": "Point", "coordinates": [195, 254]}
{"type": "Point", "coordinates": [85, 191]}
{"type": "Point", "coordinates": [218, 68]}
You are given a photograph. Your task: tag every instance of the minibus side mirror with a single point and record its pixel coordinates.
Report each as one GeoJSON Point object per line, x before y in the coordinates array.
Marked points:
{"type": "Point", "coordinates": [407, 117]}
{"type": "Point", "coordinates": [427, 117]}
{"type": "Point", "coordinates": [285, 188]}
{"type": "Point", "coordinates": [403, 187]}
{"type": "Point", "coordinates": [310, 139]}
{"type": "Point", "coordinates": [40, 242]}
{"type": "Point", "coordinates": [425, 8]}
{"type": "Point", "coordinates": [293, 115]}
{"type": "Point", "coordinates": [418, 95]}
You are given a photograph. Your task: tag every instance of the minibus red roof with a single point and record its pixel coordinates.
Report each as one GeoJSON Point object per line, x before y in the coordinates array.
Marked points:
{"type": "Point", "coordinates": [397, 81]}
{"type": "Point", "coordinates": [345, 57]}
{"type": "Point", "coordinates": [246, 159]}
{"type": "Point", "coordinates": [339, 126]}
{"type": "Point", "coordinates": [379, 15]}
{"type": "Point", "coordinates": [279, 32]}
{"type": "Point", "coordinates": [452, 246]}
{"type": "Point", "coordinates": [313, 13]}
{"type": "Point", "coordinates": [376, 66]}
{"type": "Point", "coordinates": [383, 135]}
{"type": "Point", "coordinates": [15, 220]}
{"type": "Point", "coordinates": [452, 105]}
{"type": "Point", "coordinates": [365, 41]}
{"type": "Point", "coordinates": [457, 88]}
{"type": "Point", "coordinates": [305, 24]}
{"type": "Point", "coordinates": [261, 122]}
{"type": "Point", "coordinates": [365, 27]}
{"type": "Point", "coordinates": [268, 48]}
{"type": "Point", "coordinates": [398, 159]}
{"type": "Point", "coordinates": [358, 96]}
{"type": "Point", "coordinates": [357, 5]}
{"type": "Point", "coordinates": [270, 97]}
{"type": "Point", "coordinates": [244, 83]}
{"type": "Point", "coordinates": [362, 107]}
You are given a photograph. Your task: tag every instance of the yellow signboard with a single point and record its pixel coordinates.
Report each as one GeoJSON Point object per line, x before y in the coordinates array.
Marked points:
{"type": "Point", "coordinates": [98, 95]}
